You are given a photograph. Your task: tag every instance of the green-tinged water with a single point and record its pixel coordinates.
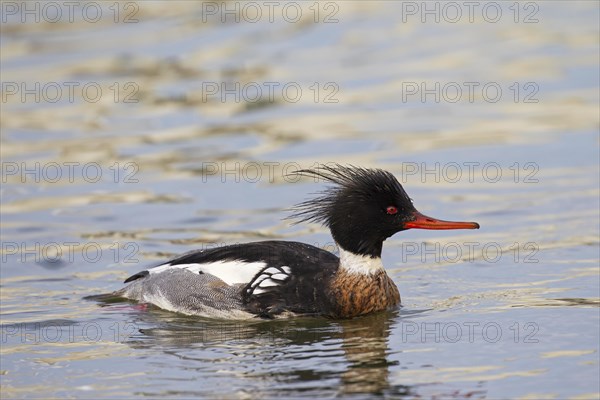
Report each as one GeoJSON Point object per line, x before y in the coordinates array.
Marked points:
{"type": "Point", "coordinates": [154, 128]}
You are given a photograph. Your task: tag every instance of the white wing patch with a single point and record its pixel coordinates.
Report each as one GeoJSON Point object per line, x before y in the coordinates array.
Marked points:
{"type": "Point", "coordinates": [272, 276]}
{"type": "Point", "coordinates": [231, 272]}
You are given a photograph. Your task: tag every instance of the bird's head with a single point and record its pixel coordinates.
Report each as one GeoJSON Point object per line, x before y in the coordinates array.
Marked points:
{"type": "Point", "coordinates": [364, 207]}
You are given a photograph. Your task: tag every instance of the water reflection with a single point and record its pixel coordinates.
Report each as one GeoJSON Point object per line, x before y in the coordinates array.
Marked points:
{"type": "Point", "coordinates": [355, 351]}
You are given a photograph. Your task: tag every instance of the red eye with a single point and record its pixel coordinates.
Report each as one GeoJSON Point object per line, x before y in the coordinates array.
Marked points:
{"type": "Point", "coordinates": [391, 210]}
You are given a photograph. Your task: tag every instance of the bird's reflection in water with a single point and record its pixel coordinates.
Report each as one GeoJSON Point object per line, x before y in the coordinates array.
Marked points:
{"type": "Point", "coordinates": [365, 344]}
{"type": "Point", "coordinates": [313, 352]}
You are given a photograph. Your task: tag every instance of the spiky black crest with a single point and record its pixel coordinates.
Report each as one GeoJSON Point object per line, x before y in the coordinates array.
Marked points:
{"type": "Point", "coordinates": [354, 185]}
{"type": "Point", "coordinates": [355, 208]}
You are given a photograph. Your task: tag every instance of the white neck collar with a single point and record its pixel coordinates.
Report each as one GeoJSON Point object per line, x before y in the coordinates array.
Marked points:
{"type": "Point", "coordinates": [359, 264]}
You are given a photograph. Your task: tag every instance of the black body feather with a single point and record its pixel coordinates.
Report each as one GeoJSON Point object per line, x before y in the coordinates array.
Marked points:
{"type": "Point", "coordinates": [304, 292]}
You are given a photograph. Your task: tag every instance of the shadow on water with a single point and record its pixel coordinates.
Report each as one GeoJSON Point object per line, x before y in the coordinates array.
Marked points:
{"type": "Point", "coordinates": [354, 351]}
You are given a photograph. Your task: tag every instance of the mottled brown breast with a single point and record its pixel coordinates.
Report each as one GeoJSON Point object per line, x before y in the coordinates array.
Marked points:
{"type": "Point", "coordinates": [359, 294]}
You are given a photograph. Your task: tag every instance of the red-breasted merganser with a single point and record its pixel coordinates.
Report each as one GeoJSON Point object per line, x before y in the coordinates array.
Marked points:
{"type": "Point", "coordinates": [279, 278]}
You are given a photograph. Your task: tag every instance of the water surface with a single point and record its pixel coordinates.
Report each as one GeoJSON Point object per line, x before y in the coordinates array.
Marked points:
{"type": "Point", "coordinates": [508, 311]}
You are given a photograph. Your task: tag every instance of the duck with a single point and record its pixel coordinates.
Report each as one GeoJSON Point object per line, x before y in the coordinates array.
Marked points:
{"type": "Point", "coordinates": [362, 207]}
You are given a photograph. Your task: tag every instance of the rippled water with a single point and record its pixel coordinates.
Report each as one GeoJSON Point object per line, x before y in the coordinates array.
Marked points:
{"type": "Point", "coordinates": [94, 187]}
